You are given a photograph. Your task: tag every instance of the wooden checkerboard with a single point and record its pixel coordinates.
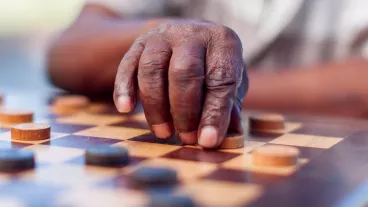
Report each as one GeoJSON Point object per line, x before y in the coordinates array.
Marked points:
{"type": "Point", "coordinates": [333, 162]}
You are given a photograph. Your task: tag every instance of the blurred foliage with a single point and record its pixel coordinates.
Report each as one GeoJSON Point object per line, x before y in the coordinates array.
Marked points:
{"type": "Point", "coordinates": [28, 16]}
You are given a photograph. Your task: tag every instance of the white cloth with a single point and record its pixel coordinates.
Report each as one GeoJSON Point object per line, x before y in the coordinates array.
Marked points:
{"type": "Point", "coordinates": [274, 33]}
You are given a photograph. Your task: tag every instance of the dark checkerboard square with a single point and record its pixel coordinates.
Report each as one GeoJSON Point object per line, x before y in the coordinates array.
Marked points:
{"type": "Point", "coordinates": [239, 176]}
{"type": "Point", "coordinates": [150, 138]}
{"type": "Point", "coordinates": [10, 144]}
{"type": "Point", "coordinates": [134, 160]}
{"type": "Point", "coordinates": [310, 152]}
{"type": "Point", "coordinates": [132, 124]}
{"type": "Point", "coordinates": [324, 130]}
{"type": "Point", "coordinates": [194, 154]}
{"type": "Point", "coordinates": [68, 128]}
{"type": "Point", "coordinates": [82, 142]}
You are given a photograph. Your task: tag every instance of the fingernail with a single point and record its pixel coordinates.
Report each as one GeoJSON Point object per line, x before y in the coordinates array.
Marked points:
{"type": "Point", "coordinates": [162, 130]}
{"type": "Point", "coordinates": [208, 137]}
{"type": "Point", "coordinates": [124, 104]}
{"type": "Point", "coordinates": [188, 137]}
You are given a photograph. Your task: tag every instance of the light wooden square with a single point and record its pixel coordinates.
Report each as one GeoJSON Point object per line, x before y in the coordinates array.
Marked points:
{"type": "Point", "coordinates": [7, 137]}
{"type": "Point", "coordinates": [69, 175]}
{"type": "Point", "coordinates": [91, 119]}
{"type": "Point", "coordinates": [187, 170]}
{"type": "Point", "coordinates": [12, 201]}
{"type": "Point", "coordinates": [139, 117]}
{"type": "Point", "coordinates": [81, 197]}
{"type": "Point", "coordinates": [219, 193]}
{"type": "Point", "coordinates": [144, 149]}
{"type": "Point", "coordinates": [54, 154]}
{"type": "Point", "coordinates": [97, 107]}
{"type": "Point", "coordinates": [307, 140]}
{"type": "Point", "coordinates": [244, 162]}
{"type": "Point", "coordinates": [122, 133]}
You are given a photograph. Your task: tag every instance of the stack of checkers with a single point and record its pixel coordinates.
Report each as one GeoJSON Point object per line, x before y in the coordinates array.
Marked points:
{"type": "Point", "coordinates": [66, 105]}
{"type": "Point", "coordinates": [272, 155]}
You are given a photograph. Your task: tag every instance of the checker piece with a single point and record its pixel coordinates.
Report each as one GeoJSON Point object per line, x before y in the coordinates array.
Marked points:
{"type": "Point", "coordinates": [170, 200]}
{"type": "Point", "coordinates": [276, 156]}
{"type": "Point", "coordinates": [232, 141]}
{"type": "Point", "coordinates": [30, 132]}
{"type": "Point", "coordinates": [65, 105]}
{"type": "Point", "coordinates": [266, 122]}
{"type": "Point", "coordinates": [107, 156]}
{"type": "Point", "coordinates": [13, 160]}
{"type": "Point", "coordinates": [13, 116]}
{"type": "Point", "coordinates": [153, 177]}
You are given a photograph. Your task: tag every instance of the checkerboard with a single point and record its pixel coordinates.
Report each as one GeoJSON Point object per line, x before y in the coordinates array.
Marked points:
{"type": "Point", "coordinates": [332, 164]}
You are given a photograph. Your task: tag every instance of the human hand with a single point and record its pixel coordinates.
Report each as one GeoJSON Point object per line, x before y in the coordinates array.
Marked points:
{"type": "Point", "coordinates": [190, 78]}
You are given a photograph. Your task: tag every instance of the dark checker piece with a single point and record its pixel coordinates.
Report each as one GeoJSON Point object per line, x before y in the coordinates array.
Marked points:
{"type": "Point", "coordinates": [15, 160]}
{"type": "Point", "coordinates": [107, 156]}
{"type": "Point", "coordinates": [153, 177]}
{"type": "Point", "coordinates": [170, 201]}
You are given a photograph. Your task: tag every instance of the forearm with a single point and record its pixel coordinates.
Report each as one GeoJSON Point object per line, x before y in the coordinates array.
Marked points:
{"type": "Point", "coordinates": [335, 88]}
{"type": "Point", "coordinates": [86, 57]}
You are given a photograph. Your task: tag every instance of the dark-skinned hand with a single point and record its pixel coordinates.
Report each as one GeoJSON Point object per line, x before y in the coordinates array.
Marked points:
{"type": "Point", "coordinates": [190, 78]}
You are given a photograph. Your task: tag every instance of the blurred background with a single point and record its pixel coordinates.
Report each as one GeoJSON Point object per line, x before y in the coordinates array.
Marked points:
{"type": "Point", "coordinates": [26, 28]}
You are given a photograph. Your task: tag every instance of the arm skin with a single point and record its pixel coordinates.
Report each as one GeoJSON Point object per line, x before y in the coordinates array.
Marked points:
{"type": "Point", "coordinates": [339, 88]}
{"type": "Point", "coordinates": [85, 58]}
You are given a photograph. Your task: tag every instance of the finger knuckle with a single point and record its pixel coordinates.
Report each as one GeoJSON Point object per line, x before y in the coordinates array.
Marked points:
{"type": "Point", "coordinates": [222, 75]}
{"type": "Point", "coordinates": [151, 72]}
{"type": "Point", "coordinates": [225, 33]}
{"type": "Point", "coordinates": [187, 67]}
{"type": "Point", "coordinates": [154, 58]}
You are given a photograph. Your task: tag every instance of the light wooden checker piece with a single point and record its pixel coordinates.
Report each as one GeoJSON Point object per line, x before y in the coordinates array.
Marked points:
{"type": "Point", "coordinates": [215, 183]}
{"type": "Point", "coordinates": [15, 116]}
{"type": "Point", "coordinates": [65, 105]}
{"type": "Point", "coordinates": [276, 156]}
{"type": "Point", "coordinates": [30, 132]}
{"type": "Point", "coordinates": [232, 141]}
{"type": "Point", "coordinates": [266, 122]}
